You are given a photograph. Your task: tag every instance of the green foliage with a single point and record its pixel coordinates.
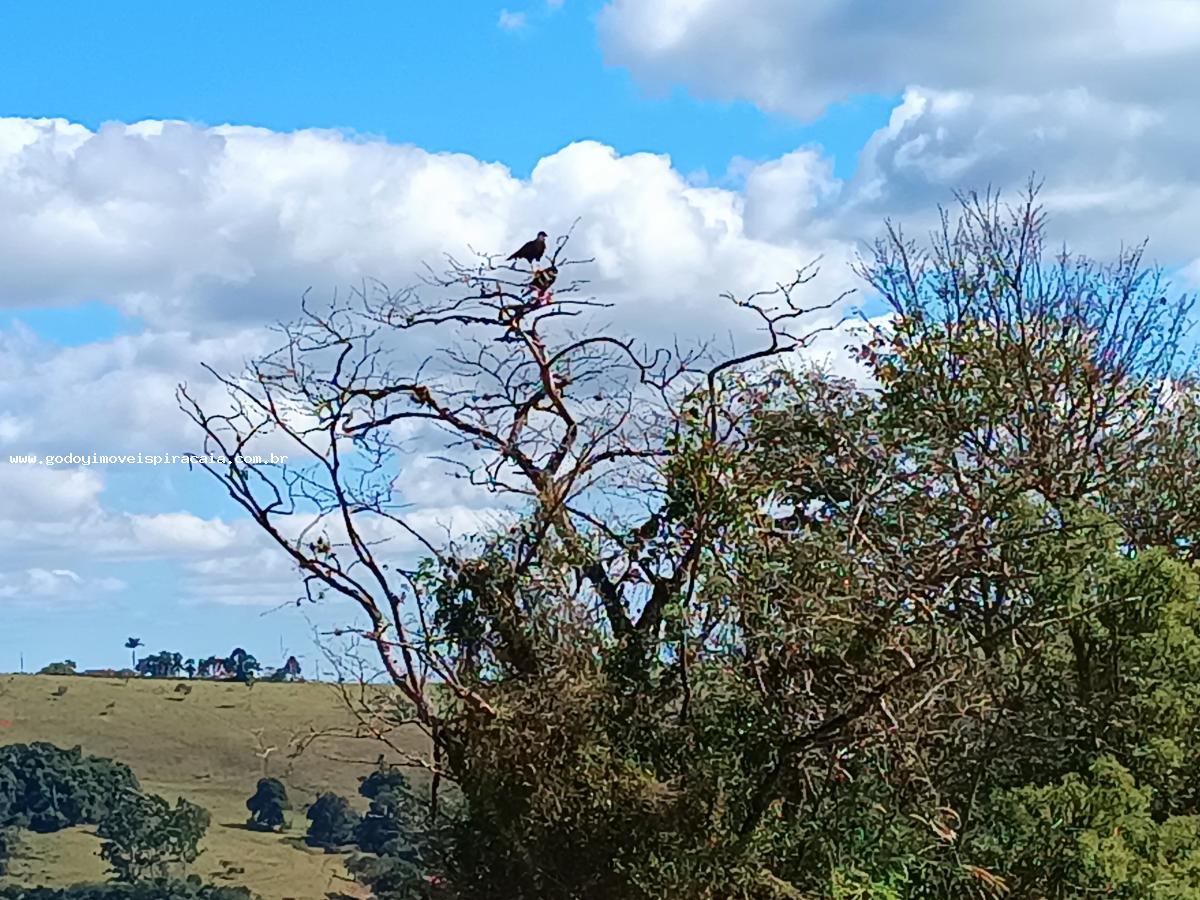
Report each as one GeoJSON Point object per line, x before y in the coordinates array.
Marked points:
{"type": "Point", "coordinates": [797, 639]}
{"type": "Point", "coordinates": [163, 664]}
{"type": "Point", "coordinates": [7, 841]}
{"type": "Point", "coordinates": [332, 822]}
{"type": "Point", "coordinates": [289, 671]}
{"type": "Point", "coordinates": [190, 889]}
{"type": "Point", "coordinates": [66, 667]}
{"type": "Point", "coordinates": [144, 836]}
{"type": "Point", "coordinates": [46, 788]}
{"type": "Point", "coordinates": [396, 877]}
{"type": "Point", "coordinates": [1092, 834]}
{"type": "Point", "coordinates": [268, 805]}
{"type": "Point", "coordinates": [390, 820]}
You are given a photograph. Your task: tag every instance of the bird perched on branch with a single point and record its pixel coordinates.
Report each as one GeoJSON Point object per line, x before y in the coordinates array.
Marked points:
{"type": "Point", "coordinates": [531, 251]}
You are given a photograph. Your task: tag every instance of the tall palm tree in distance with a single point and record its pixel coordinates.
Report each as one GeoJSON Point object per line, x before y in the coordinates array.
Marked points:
{"type": "Point", "coordinates": [131, 645]}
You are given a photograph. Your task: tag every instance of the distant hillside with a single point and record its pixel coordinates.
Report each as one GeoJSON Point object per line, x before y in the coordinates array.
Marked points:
{"type": "Point", "coordinates": [200, 745]}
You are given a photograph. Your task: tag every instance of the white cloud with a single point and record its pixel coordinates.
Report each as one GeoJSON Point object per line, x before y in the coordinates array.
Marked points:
{"type": "Point", "coordinates": [47, 494]}
{"type": "Point", "coordinates": [53, 584]}
{"type": "Point", "coordinates": [175, 533]}
{"type": "Point", "coordinates": [1114, 172]}
{"type": "Point", "coordinates": [218, 228]}
{"type": "Point", "coordinates": [1094, 95]}
{"type": "Point", "coordinates": [113, 396]}
{"type": "Point", "coordinates": [256, 572]}
{"type": "Point", "coordinates": [797, 58]}
{"type": "Point", "coordinates": [511, 21]}
{"type": "Point", "coordinates": [210, 233]}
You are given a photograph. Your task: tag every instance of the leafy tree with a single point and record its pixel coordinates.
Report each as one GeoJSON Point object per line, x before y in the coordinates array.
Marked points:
{"type": "Point", "coordinates": [756, 631]}
{"type": "Point", "coordinates": [6, 845]}
{"type": "Point", "coordinates": [46, 788]}
{"type": "Point", "coordinates": [268, 805]}
{"type": "Point", "coordinates": [243, 665]}
{"type": "Point", "coordinates": [189, 889]}
{"type": "Point", "coordinates": [163, 664]}
{"type": "Point", "coordinates": [396, 877]}
{"type": "Point", "coordinates": [392, 816]}
{"type": "Point", "coordinates": [144, 836]}
{"type": "Point", "coordinates": [66, 667]}
{"type": "Point", "coordinates": [131, 645]}
{"type": "Point", "coordinates": [332, 822]}
{"type": "Point", "coordinates": [290, 671]}
{"type": "Point", "coordinates": [1092, 834]}
{"type": "Point", "coordinates": [12, 794]}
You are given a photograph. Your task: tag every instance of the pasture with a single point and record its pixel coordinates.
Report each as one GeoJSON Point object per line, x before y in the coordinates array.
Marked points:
{"type": "Point", "coordinates": [208, 745]}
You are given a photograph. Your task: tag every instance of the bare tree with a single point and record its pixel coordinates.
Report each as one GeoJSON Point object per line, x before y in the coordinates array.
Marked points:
{"type": "Point", "coordinates": [830, 573]}
{"type": "Point", "coordinates": [571, 426]}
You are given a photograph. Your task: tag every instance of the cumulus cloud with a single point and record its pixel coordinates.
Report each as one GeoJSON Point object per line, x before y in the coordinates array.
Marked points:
{"type": "Point", "coordinates": [1113, 172]}
{"type": "Point", "coordinates": [52, 512]}
{"type": "Point", "coordinates": [45, 494]}
{"type": "Point", "coordinates": [219, 227]}
{"type": "Point", "coordinates": [1096, 97]}
{"type": "Point", "coordinates": [797, 58]}
{"type": "Point", "coordinates": [112, 396]}
{"type": "Point", "coordinates": [37, 584]}
{"type": "Point", "coordinates": [253, 571]}
{"type": "Point", "coordinates": [209, 234]}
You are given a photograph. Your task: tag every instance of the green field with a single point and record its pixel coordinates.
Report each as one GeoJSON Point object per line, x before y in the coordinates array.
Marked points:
{"type": "Point", "coordinates": [208, 747]}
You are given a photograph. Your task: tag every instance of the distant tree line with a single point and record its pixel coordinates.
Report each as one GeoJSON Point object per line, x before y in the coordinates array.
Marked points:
{"type": "Point", "coordinates": [237, 666]}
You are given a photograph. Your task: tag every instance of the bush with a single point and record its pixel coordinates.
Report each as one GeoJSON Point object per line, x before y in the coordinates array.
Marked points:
{"type": "Point", "coordinates": [66, 667]}
{"type": "Point", "coordinates": [333, 823]}
{"type": "Point", "coordinates": [394, 878]}
{"type": "Point", "coordinates": [191, 889]}
{"type": "Point", "coordinates": [268, 805]}
{"type": "Point", "coordinates": [387, 826]}
{"type": "Point", "coordinates": [144, 836]}
{"type": "Point", "coordinates": [46, 788]}
{"type": "Point", "coordinates": [6, 845]}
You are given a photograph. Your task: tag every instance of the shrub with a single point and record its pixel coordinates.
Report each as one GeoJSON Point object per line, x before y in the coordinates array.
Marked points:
{"type": "Point", "coordinates": [6, 843]}
{"type": "Point", "coordinates": [145, 835]}
{"type": "Point", "coordinates": [268, 805]}
{"type": "Point", "coordinates": [333, 823]}
{"type": "Point", "coordinates": [45, 788]}
{"type": "Point", "coordinates": [66, 667]}
{"type": "Point", "coordinates": [387, 826]}
{"type": "Point", "coordinates": [190, 889]}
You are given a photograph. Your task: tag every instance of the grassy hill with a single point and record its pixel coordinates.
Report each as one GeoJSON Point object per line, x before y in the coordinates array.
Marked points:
{"type": "Point", "coordinates": [210, 747]}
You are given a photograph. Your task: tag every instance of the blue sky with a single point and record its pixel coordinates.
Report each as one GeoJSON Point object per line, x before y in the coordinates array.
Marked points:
{"type": "Point", "coordinates": [809, 124]}
{"type": "Point", "coordinates": [444, 77]}
{"type": "Point", "coordinates": [441, 76]}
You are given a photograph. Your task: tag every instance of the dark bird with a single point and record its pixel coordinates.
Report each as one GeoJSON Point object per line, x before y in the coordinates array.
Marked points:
{"type": "Point", "coordinates": [531, 251]}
